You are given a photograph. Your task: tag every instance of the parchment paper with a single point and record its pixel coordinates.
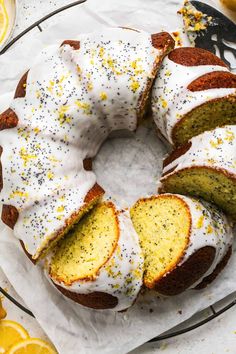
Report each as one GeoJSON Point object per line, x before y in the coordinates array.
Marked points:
{"type": "Point", "coordinates": [127, 168]}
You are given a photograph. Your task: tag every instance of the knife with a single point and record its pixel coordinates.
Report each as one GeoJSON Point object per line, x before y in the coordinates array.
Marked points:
{"type": "Point", "coordinates": [220, 33]}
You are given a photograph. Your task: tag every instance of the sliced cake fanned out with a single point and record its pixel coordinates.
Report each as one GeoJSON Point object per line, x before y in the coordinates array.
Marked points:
{"type": "Point", "coordinates": [99, 264]}
{"type": "Point", "coordinates": [205, 167]}
{"type": "Point", "coordinates": [185, 243]}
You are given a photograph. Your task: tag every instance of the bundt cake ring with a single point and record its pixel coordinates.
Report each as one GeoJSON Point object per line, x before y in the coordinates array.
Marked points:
{"type": "Point", "coordinates": [64, 108]}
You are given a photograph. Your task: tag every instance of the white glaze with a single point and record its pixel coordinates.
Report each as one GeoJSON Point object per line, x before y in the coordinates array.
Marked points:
{"type": "Point", "coordinates": [122, 275]}
{"type": "Point", "coordinates": [74, 99]}
{"type": "Point", "coordinates": [171, 99]}
{"type": "Point", "coordinates": [215, 149]}
{"type": "Point", "coordinates": [210, 227]}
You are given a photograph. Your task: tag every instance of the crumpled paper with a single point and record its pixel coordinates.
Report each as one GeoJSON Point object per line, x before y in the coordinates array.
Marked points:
{"type": "Point", "coordinates": [127, 168]}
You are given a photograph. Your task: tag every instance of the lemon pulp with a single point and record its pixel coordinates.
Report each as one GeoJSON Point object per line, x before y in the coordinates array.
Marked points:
{"type": "Point", "coordinates": [10, 333]}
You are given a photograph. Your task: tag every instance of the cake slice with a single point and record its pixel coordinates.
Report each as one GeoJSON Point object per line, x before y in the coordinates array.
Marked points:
{"type": "Point", "coordinates": [205, 167]}
{"type": "Point", "coordinates": [185, 243]}
{"type": "Point", "coordinates": [193, 92]}
{"type": "Point", "coordinates": [99, 264]}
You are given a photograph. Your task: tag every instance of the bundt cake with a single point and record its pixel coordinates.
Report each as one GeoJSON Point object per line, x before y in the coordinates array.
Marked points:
{"type": "Point", "coordinates": [194, 92]}
{"type": "Point", "coordinates": [99, 263]}
{"type": "Point", "coordinates": [185, 242]}
{"type": "Point", "coordinates": [65, 106]}
{"type": "Point", "coordinates": [205, 167]}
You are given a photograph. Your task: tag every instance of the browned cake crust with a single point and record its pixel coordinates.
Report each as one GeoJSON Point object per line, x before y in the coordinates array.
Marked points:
{"type": "Point", "coordinates": [88, 164]}
{"type": "Point", "coordinates": [93, 193]}
{"type": "Point", "coordinates": [216, 79]}
{"type": "Point", "coordinates": [1, 180]}
{"type": "Point", "coordinates": [162, 41]}
{"type": "Point", "coordinates": [182, 277]}
{"type": "Point", "coordinates": [8, 119]}
{"type": "Point", "coordinates": [176, 153]}
{"type": "Point", "coordinates": [207, 280]}
{"type": "Point", "coordinates": [174, 156]}
{"type": "Point", "coordinates": [190, 56]}
{"type": "Point", "coordinates": [9, 215]}
{"type": "Point", "coordinates": [21, 87]}
{"type": "Point", "coordinates": [73, 44]}
{"type": "Point", "coordinates": [96, 300]}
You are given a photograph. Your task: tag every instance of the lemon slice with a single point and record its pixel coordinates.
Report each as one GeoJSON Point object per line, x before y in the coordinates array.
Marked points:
{"type": "Point", "coordinates": [4, 21]}
{"type": "Point", "coordinates": [10, 333]}
{"type": "Point", "coordinates": [32, 346]}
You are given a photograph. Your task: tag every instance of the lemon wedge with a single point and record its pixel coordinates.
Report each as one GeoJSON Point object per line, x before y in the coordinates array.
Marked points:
{"type": "Point", "coordinates": [10, 333]}
{"type": "Point", "coordinates": [32, 346]}
{"type": "Point", "coordinates": [2, 311]}
{"type": "Point", "coordinates": [4, 21]}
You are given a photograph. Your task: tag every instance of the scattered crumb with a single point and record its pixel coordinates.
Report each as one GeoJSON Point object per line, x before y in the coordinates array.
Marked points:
{"type": "Point", "coordinates": [194, 20]}
{"type": "Point", "coordinates": [177, 38]}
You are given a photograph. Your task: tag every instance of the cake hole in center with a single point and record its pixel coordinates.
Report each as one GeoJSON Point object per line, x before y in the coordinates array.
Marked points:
{"type": "Point", "coordinates": [129, 167]}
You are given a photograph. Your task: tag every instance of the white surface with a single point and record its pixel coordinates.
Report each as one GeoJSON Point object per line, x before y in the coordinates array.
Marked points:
{"type": "Point", "coordinates": [193, 342]}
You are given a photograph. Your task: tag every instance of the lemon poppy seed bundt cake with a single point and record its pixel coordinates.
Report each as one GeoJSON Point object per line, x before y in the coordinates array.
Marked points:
{"type": "Point", "coordinates": [99, 263]}
{"type": "Point", "coordinates": [205, 167]}
{"type": "Point", "coordinates": [185, 242]}
{"type": "Point", "coordinates": [194, 92]}
{"type": "Point", "coordinates": [75, 95]}
{"type": "Point", "coordinates": [65, 106]}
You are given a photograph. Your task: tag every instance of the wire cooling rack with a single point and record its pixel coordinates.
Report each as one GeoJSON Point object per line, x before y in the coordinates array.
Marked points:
{"type": "Point", "coordinates": [197, 320]}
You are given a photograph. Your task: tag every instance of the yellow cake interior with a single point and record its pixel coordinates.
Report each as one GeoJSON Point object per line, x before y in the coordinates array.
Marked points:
{"type": "Point", "coordinates": [209, 184]}
{"type": "Point", "coordinates": [48, 244]}
{"type": "Point", "coordinates": [87, 247]}
{"type": "Point", "coordinates": [163, 224]}
{"type": "Point", "coordinates": [208, 116]}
